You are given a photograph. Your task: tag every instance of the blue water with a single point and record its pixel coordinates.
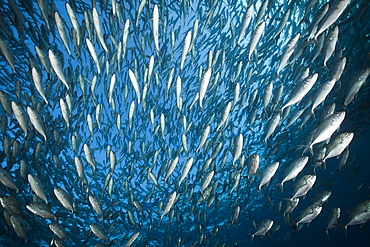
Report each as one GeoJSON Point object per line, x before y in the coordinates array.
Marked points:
{"type": "Point", "coordinates": [193, 222]}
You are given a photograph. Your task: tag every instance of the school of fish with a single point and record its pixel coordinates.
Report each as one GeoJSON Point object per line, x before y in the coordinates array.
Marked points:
{"type": "Point", "coordinates": [177, 123]}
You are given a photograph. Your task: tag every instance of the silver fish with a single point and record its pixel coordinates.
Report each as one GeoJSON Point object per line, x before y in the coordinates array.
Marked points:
{"type": "Point", "coordinates": [40, 209]}
{"type": "Point", "coordinates": [7, 180]}
{"type": "Point", "coordinates": [37, 187]}
{"type": "Point", "coordinates": [64, 199]}
{"type": "Point", "coordinates": [263, 227]}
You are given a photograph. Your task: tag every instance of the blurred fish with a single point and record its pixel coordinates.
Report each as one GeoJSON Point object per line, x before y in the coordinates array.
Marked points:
{"type": "Point", "coordinates": [263, 227]}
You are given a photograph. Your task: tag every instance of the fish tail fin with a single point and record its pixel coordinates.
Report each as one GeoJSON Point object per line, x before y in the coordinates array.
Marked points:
{"type": "Point", "coordinates": [286, 218]}
{"type": "Point", "coordinates": [327, 233]}
{"type": "Point", "coordinates": [276, 76]}
{"type": "Point", "coordinates": [264, 114]}
{"type": "Point", "coordinates": [159, 52]}
{"type": "Point", "coordinates": [295, 226]}
{"type": "Point", "coordinates": [160, 220]}
{"type": "Point", "coordinates": [315, 40]}
{"type": "Point", "coordinates": [345, 229]}
{"type": "Point", "coordinates": [324, 164]}
{"type": "Point", "coordinates": [313, 114]}
{"type": "Point", "coordinates": [309, 147]}
{"type": "Point", "coordinates": [281, 186]}
{"type": "Point", "coordinates": [311, 150]}
{"type": "Point", "coordinates": [250, 181]}
{"type": "Point", "coordinates": [252, 236]}
{"type": "Point", "coordinates": [324, 67]}
{"type": "Point", "coordinates": [279, 110]}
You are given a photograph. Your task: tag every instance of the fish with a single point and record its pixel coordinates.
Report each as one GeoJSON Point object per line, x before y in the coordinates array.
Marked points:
{"type": "Point", "coordinates": [272, 124]}
{"type": "Point", "coordinates": [185, 49]}
{"type": "Point", "coordinates": [171, 167]}
{"type": "Point", "coordinates": [261, 11]}
{"type": "Point", "coordinates": [93, 53]}
{"type": "Point", "coordinates": [253, 164]}
{"type": "Point", "coordinates": [263, 227]}
{"type": "Point", "coordinates": [316, 20]}
{"type": "Point", "coordinates": [44, 11]}
{"type": "Point", "coordinates": [55, 64]}
{"type": "Point", "coordinates": [322, 197]}
{"type": "Point", "coordinates": [338, 145]}
{"type": "Point", "coordinates": [238, 147]}
{"type": "Point", "coordinates": [11, 204]}
{"type": "Point", "coordinates": [326, 129]}
{"type": "Point", "coordinates": [89, 157]}
{"type": "Point", "coordinates": [6, 103]}
{"type": "Point", "coordinates": [7, 180]}
{"type": "Point", "coordinates": [329, 44]}
{"type": "Point", "coordinates": [256, 35]}
{"type": "Point", "coordinates": [294, 169]}
{"type": "Point", "coordinates": [135, 84]}
{"type": "Point", "coordinates": [36, 186]}
{"type": "Point", "coordinates": [186, 170]}
{"type": "Point", "coordinates": [37, 121]}
{"type": "Point", "coordinates": [338, 68]}
{"type": "Point", "coordinates": [169, 204]}
{"type": "Point", "coordinates": [301, 90]}
{"type": "Point", "coordinates": [283, 23]}
{"type": "Point", "coordinates": [267, 174]}
{"type": "Point", "coordinates": [64, 198]}
{"type": "Point", "coordinates": [356, 83]}
{"type": "Point", "coordinates": [247, 17]}
{"type": "Point", "coordinates": [62, 31]}
{"type": "Point", "coordinates": [358, 215]}
{"type": "Point", "coordinates": [207, 179]}
{"type": "Point", "coordinates": [65, 111]}
{"type": "Point", "coordinates": [321, 94]}
{"type": "Point", "coordinates": [132, 238]}
{"type": "Point", "coordinates": [309, 214]}
{"type": "Point", "coordinates": [331, 16]}
{"type": "Point", "coordinates": [98, 231]}
{"type": "Point", "coordinates": [304, 185]}
{"type": "Point", "coordinates": [267, 95]}
{"type": "Point", "coordinates": [98, 29]}
{"type": "Point", "coordinates": [40, 209]}
{"type": "Point", "coordinates": [203, 139]}
{"type": "Point", "coordinates": [140, 10]}
{"type": "Point", "coordinates": [21, 117]}
{"type": "Point", "coordinates": [96, 205]}
{"type": "Point", "coordinates": [309, 6]}
{"type": "Point", "coordinates": [288, 51]}
{"type": "Point", "coordinates": [58, 230]}
{"type": "Point", "coordinates": [155, 26]}
{"type": "Point", "coordinates": [138, 122]}
{"type": "Point", "coordinates": [332, 219]}
{"type": "Point", "coordinates": [7, 53]}
{"type": "Point", "coordinates": [291, 204]}
{"type": "Point", "coordinates": [74, 21]}
{"type": "Point", "coordinates": [203, 85]}
{"type": "Point", "coordinates": [37, 80]}
{"type": "Point", "coordinates": [19, 228]}
{"type": "Point", "coordinates": [235, 215]}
